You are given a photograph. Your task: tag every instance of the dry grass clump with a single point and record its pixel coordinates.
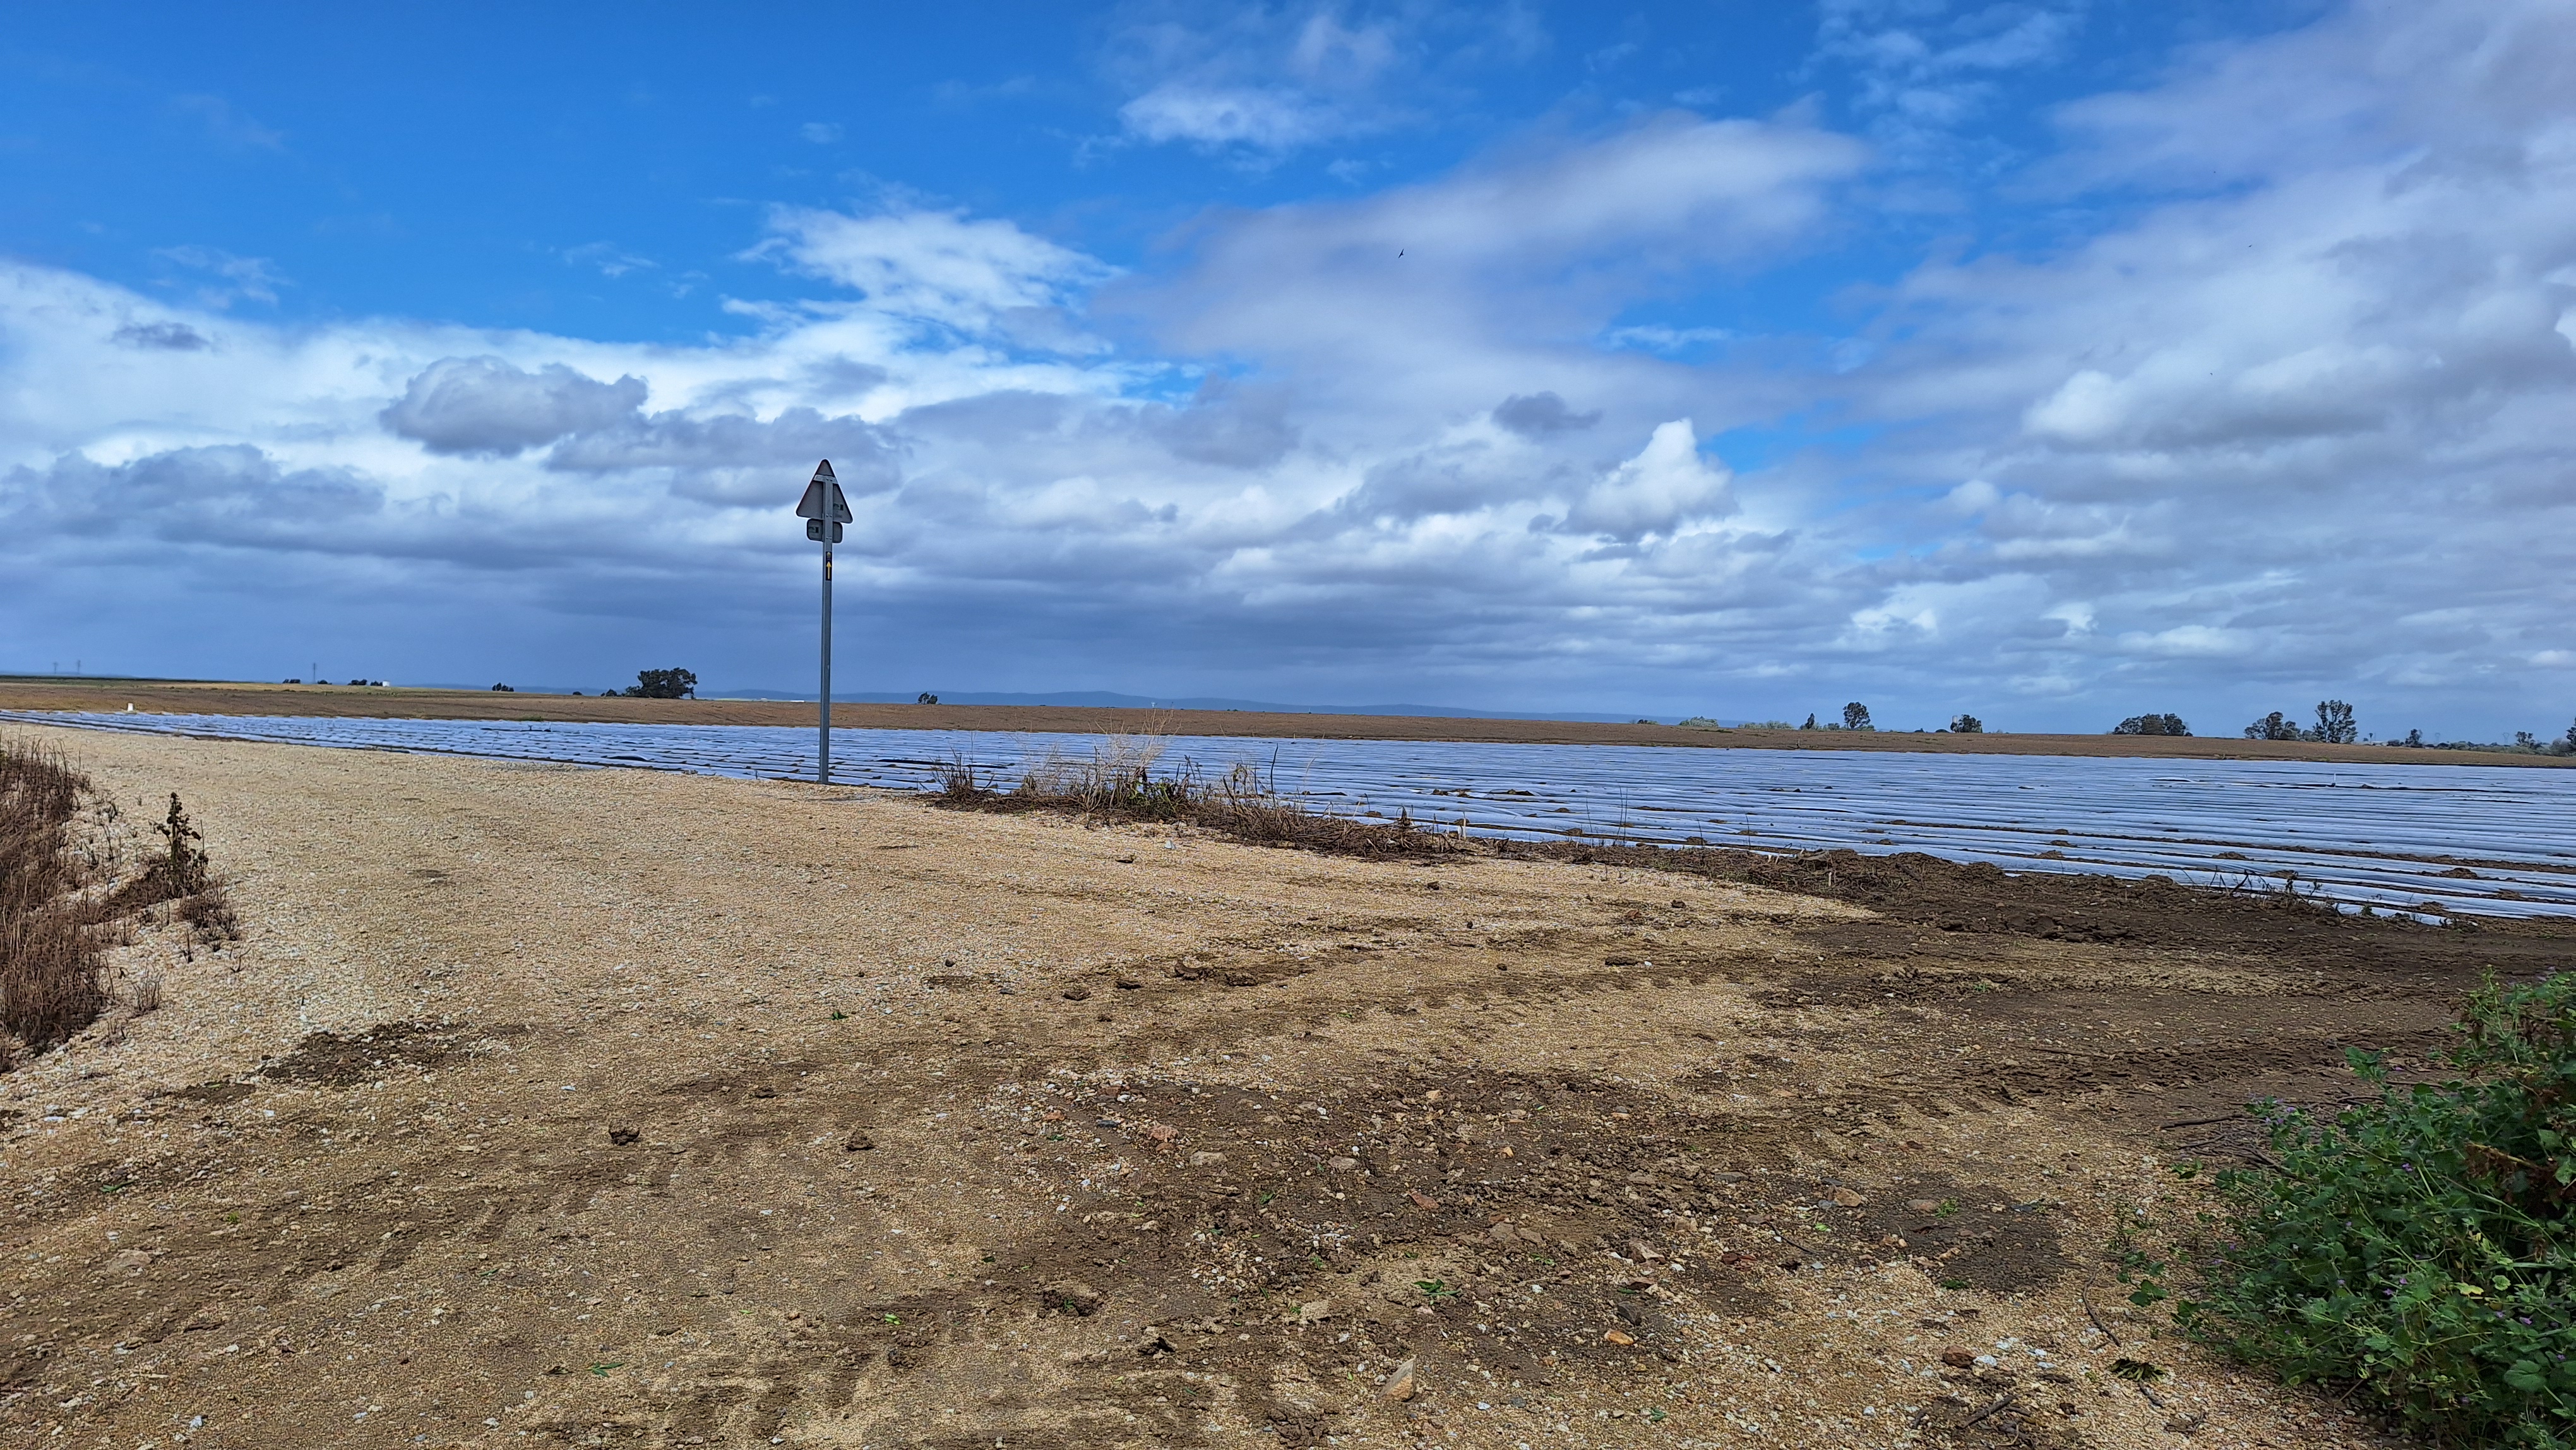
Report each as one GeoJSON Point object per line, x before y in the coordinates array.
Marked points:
{"type": "Point", "coordinates": [56, 922]}
{"type": "Point", "coordinates": [50, 970]}
{"type": "Point", "coordinates": [1116, 784]}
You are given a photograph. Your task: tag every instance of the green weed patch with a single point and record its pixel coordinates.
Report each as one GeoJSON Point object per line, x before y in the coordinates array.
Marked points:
{"type": "Point", "coordinates": [2417, 1248]}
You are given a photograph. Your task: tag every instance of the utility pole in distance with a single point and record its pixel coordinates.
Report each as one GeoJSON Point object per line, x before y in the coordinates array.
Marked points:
{"type": "Point", "coordinates": [824, 510]}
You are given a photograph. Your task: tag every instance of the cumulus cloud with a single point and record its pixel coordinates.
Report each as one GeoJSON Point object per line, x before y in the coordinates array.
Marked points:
{"type": "Point", "coordinates": [229, 494]}
{"type": "Point", "coordinates": [485, 406]}
{"type": "Point", "coordinates": [1666, 485]}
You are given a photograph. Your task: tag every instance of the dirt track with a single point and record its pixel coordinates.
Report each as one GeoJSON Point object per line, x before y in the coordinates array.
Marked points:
{"type": "Point", "coordinates": [545, 1106]}
{"type": "Point", "coordinates": [218, 698]}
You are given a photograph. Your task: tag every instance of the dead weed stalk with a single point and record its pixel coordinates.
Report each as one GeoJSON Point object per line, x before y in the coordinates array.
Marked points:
{"type": "Point", "coordinates": [56, 923]}
{"type": "Point", "coordinates": [1116, 784]}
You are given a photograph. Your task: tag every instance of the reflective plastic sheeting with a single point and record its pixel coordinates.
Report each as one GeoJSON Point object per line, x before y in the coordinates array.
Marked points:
{"type": "Point", "coordinates": [2491, 840]}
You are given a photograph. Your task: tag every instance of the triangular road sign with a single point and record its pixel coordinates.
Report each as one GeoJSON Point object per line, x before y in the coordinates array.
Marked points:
{"type": "Point", "coordinates": [824, 493]}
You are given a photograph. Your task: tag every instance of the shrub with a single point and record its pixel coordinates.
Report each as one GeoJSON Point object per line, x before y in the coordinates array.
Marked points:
{"type": "Point", "coordinates": [1856, 717]}
{"type": "Point", "coordinates": [2152, 725]}
{"type": "Point", "coordinates": [181, 869]}
{"type": "Point", "coordinates": [2417, 1247]}
{"type": "Point", "coordinates": [1116, 783]}
{"type": "Point", "coordinates": [2334, 724]}
{"type": "Point", "coordinates": [2275, 726]}
{"type": "Point", "coordinates": [1967, 725]}
{"type": "Point", "coordinates": [663, 685]}
{"type": "Point", "coordinates": [51, 976]}
{"type": "Point", "coordinates": [925, 698]}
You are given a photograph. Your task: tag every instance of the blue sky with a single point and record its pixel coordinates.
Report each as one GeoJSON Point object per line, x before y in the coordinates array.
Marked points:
{"type": "Point", "coordinates": [2052, 361]}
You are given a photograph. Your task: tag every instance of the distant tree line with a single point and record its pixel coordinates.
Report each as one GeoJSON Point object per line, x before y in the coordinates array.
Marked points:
{"type": "Point", "coordinates": [1856, 717]}
{"type": "Point", "coordinates": [2335, 726]}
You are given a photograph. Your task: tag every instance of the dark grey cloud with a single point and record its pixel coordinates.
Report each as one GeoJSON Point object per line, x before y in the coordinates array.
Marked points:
{"type": "Point", "coordinates": [1539, 415]}
{"type": "Point", "coordinates": [1451, 479]}
{"type": "Point", "coordinates": [1227, 424]}
{"type": "Point", "coordinates": [161, 336]}
{"type": "Point", "coordinates": [1010, 412]}
{"type": "Point", "coordinates": [734, 460]}
{"type": "Point", "coordinates": [485, 406]}
{"type": "Point", "coordinates": [231, 494]}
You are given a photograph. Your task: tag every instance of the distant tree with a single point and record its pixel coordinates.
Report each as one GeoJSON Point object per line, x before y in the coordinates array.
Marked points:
{"type": "Point", "coordinates": [2274, 726]}
{"type": "Point", "coordinates": [1967, 725]}
{"type": "Point", "coordinates": [2152, 724]}
{"type": "Point", "coordinates": [2567, 743]}
{"type": "Point", "coordinates": [2525, 740]}
{"type": "Point", "coordinates": [925, 698]}
{"type": "Point", "coordinates": [1856, 717]}
{"type": "Point", "coordinates": [1811, 722]}
{"type": "Point", "coordinates": [2414, 740]}
{"type": "Point", "coordinates": [507, 689]}
{"type": "Point", "coordinates": [2334, 724]}
{"type": "Point", "coordinates": [664, 685]}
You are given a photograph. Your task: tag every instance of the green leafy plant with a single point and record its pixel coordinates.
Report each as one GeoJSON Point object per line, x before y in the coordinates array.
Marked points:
{"type": "Point", "coordinates": [1435, 1289]}
{"type": "Point", "coordinates": [2417, 1246]}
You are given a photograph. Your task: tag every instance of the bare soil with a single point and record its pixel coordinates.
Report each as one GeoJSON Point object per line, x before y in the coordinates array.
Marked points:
{"type": "Point", "coordinates": [552, 1107]}
{"type": "Point", "coordinates": [348, 701]}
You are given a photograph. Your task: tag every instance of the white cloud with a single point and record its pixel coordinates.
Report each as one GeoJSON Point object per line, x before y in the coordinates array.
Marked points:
{"type": "Point", "coordinates": [484, 407]}
{"type": "Point", "coordinates": [1926, 67]}
{"type": "Point", "coordinates": [1666, 485]}
{"type": "Point", "coordinates": [977, 276]}
{"type": "Point", "coordinates": [235, 279]}
{"type": "Point", "coordinates": [1267, 120]}
{"type": "Point", "coordinates": [2298, 435]}
{"type": "Point", "coordinates": [1257, 82]}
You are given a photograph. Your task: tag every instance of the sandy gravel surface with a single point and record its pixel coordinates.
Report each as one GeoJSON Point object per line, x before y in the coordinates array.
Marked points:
{"type": "Point", "coordinates": [221, 698]}
{"type": "Point", "coordinates": [560, 1107]}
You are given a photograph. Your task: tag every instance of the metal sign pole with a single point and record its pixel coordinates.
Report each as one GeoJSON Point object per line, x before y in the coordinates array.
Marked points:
{"type": "Point", "coordinates": [824, 511]}
{"type": "Point", "coordinates": [823, 738]}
